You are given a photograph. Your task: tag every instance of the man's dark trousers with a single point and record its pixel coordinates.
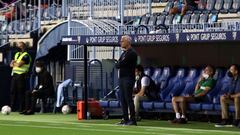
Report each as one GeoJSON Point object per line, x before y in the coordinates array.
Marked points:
{"type": "Point", "coordinates": [126, 85]}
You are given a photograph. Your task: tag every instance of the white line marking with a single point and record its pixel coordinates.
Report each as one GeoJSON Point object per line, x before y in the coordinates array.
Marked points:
{"type": "Point", "coordinates": [144, 127]}
{"type": "Point", "coordinates": [86, 129]}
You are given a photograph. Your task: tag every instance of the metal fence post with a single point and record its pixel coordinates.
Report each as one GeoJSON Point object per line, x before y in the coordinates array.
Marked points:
{"type": "Point", "coordinates": [91, 9]}
{"type": "Point", "coordinates": [150, 6]}
{"type": "Point", "coordinates": [122, 11]}
{"type": "Point", "coordinates": [69, 33]}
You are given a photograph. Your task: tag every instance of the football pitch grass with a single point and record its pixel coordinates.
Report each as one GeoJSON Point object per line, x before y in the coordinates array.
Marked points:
{"type": "Point", "coordinates": [59, 124]}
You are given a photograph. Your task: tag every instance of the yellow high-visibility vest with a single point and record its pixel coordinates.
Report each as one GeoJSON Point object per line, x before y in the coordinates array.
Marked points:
{"type": "Point", "coordinates": [25, 67]}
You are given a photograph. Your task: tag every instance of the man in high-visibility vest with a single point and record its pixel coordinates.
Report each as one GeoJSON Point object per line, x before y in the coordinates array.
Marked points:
{"type": "Point", "coordinates": [20, 67]}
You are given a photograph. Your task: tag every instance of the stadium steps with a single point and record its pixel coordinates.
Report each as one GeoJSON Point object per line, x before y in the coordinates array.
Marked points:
{"type": "Point", "coordinates": [228, 16]}
{"type": "Point", "coordinates": [28, 41]}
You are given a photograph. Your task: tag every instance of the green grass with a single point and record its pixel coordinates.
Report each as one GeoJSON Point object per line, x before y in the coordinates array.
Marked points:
{"type": "Point", "coordinates": [58, 124]}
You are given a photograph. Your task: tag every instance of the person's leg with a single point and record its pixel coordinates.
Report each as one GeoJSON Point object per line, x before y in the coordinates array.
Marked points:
{"type": "Point", "coordinates": [39, 94]}
{"type": "Point", "coordinates": [237, 108]}
{"type": "Point", "coordinates": [21, 83]}
{"type": "Point", "coordinates": [13, 90]}
{"type": "Point", "coordinates": [183, 105]}
{"type": "Point", "coordinates": [224, 101]}
{"type": "Point", "coordinates": [137, 100]}
{"type": "Point", "coordinates": [175, 101]}
{"type": "Point", "coordinates": [129, 84]}
{"type": "Point", "coordinates": [28, 100]}
{"type": "Point", "coordinates": [123, 101]}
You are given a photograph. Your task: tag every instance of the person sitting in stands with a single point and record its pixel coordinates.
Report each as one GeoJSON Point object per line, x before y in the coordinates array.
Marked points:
{"type": "Point", "coordinates": [204, 85]}
{"type": "Point", "coordinates": [144, 89]}
{"type": "Point", "coordinates": [232, 96]}
{"type": "Point", "coordinates": [183, 6]}
{"type": "Point", "coordinates": [43, 90]}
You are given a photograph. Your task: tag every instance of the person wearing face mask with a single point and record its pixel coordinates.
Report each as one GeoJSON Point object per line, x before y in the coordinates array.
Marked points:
{"type": "Point", "coordinates": [20, 67]}
{"type": "Point", "coordinates": [204, 85]}
{"type": "Point", "coordinates": [144, 89]}
{"type": "Point", "coordinates": [43, 90]}
{"type": "Point", "coordinates": [232, 96]}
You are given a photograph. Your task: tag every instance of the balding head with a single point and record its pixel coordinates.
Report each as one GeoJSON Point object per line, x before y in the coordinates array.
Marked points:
{"type": "Point", "coordinates": [126, 42]}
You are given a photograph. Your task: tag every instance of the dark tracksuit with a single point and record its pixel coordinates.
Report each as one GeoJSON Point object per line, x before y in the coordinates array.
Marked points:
{"type": "Point", "coordinates": [47, 90]}
{"type": "Point", "coordinates": [126, 66]}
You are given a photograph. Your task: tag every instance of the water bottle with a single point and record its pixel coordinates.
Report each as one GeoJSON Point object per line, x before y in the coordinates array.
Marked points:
{"type": "Point", "coordinates": [88, 115]}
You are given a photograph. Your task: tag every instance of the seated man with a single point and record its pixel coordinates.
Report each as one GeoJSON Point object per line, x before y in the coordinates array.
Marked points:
{"type": "Point", "coordinates": [144, 89]}
{"type": "Point", "coordinates": [232, 96]}
{"type": "Point", "coordinates": [183, 6]}
{"type": "Point", "coordinates": [43, 89]}
{"type": "Point", "coordinates": [204, 85]}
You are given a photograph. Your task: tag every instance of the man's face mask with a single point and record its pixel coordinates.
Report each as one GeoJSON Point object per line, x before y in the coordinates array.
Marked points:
{"type": "Point", "coordinates": [230, 74]}
{"type": "Point", "coordinates": [205, 76]}
{"type": "Point", "coordinates": [38, 69]}
{"type": "Point", "coordinates": [137, 77]}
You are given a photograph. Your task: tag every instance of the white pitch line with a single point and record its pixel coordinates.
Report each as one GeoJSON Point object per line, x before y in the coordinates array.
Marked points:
{"type": "Point", "coordinates": [86, 129]}
{"type": "Point", "coordinates": [144, 127]}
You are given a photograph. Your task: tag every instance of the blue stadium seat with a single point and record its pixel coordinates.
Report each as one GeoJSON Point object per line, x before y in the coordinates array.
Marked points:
{"type": "Point", "coordinates": [160, 19]}
{"type": "Point", "coordinates": [218, 6]}
{"type": "Point", "coordinates": [212, 18]}
{"type": "Point", "coordinates": [114, 104]}
{"type": "Point", "coordinates": [174, 84]}
{"type": "Point", "coordinates": [148, 71]}
{"type": "Point", "coordinates": [190, 82]}
{"type": "Point", "coordinates": [22, 27]}
{"type": "Point", "coordinates": [226, 6]}
{"type": "Point", "coordinates": [210, 6]}
{"type": "Point", "coordinates": [144, 20]}
{"type": "Point", "coordinates": [176, 19]}
{"type": "Point", "coordinates": [28, 25]}
{"type": "Point", "coordinates": [146, 105]}
{"type": "Point", "coordinates": [169, 19]}
{"type": "Point", "coordinates": [46, 15]}
{"type": "Point", "coordinates": [195, 106]}
{"type": "Point", "coordinates": [158, 105]}
{"type": "Point", "coordinates": [156, 75]}
{"type": "Point", "coordinates": [104, 104]}
{"type": "Point", "coordinates": [235, 6]}
{"type": "Point", "coordinates": [141, 29]}
{"type": "Point", "coordinates": [152, 20]}
{"type": "Point", "coordinates": [203, 18]}
{"type": "Point", "coordinates": [3, 27]}
{"type": "Point", "coordinates": [163, 80]}
{"type": "Point", "coordinates": [194, 18]}
{"type": "Point", "coordinates": [186, 19]}
{"type": "Point", "coordinates": [11, 28]}
{"type": "Point", "coordinates": [201, 6]}
{"type": "Point", "coordinates": [58, 12]}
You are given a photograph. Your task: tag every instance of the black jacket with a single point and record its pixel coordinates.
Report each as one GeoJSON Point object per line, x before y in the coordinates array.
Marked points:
{"type": "Point", "coordinates": [151, 92]}
{"type": "Point", "coordinates": [45, 79]}
{"type": "Point", "coordinates": [127, 63]}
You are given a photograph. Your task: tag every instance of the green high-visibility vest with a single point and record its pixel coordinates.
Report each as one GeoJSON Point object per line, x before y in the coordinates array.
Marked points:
{"type": "Point", "coordinates": [25, 67]}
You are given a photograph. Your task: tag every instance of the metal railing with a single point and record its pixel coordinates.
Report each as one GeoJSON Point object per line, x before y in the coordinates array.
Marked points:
{"type": "Point", "coordinates": [110, 9]}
